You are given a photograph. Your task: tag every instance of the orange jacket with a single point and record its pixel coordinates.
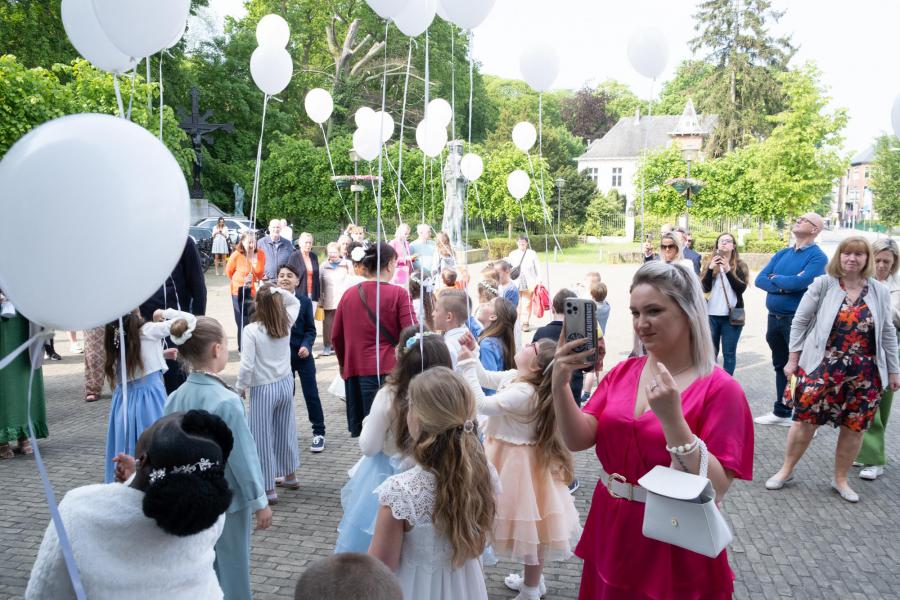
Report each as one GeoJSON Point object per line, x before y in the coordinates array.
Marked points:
{"type": "Point", "coordinates": [239, 266]}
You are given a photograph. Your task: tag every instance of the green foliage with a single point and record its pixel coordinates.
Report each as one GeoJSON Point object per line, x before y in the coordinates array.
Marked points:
{"type": "Point", "coordinates": [688, 83]}
{"type": "Point", "coordinates": [577, 193]}
{"type": "Point", "coordinates": [586, 114]}
{"type": "Point", "coordinates": [32, 30]}
{"type": "Point", "coordinates": [602, 209]}
{"type": "Point", "coordinates": [496, 202]}
{"type": "Point", "coordinates": [769, 246]}
{"type": "Point", "coordinates": [500, 247]}
{"type": "Point", "coordinates": [620, 100]}
{"type": "Point", "coordinates": [885, 182]}
{"type": "Point", "coordinates": [29, 97]}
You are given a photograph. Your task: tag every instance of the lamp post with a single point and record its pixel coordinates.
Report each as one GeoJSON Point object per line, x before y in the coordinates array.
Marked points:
{"type": "Point", "coordinates": [560, 184]}
{"type": "Point", "coordinates": [689, 153]}
{"type": "Point", "coordinates": [355, 158]}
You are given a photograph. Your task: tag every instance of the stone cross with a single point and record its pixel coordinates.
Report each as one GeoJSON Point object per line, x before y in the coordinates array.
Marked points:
{"type": "Point", "coordinates": [199, 128]}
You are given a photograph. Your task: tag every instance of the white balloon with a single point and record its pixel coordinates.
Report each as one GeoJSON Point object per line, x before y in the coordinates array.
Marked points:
{"type": "Point", "coordinates": [539, 64]}
{"type": "Point", "coordinates": [648, 52]}
{"type": "Point", "coordinates": [387, 125]}
{"type": "Point", "coordinates": [273, 30]}
{"type": "Point", "coordinates": [416, 17]}
{"type": "Point", "coordinates": [119, 188]}
{"type": "Point", "coordinates": [366, 142]}
{"type": "Point", "coordinates": [518, 183]}
{"type": "Point", "coordinates": [471, 166]}
{"type": "Point", "coordinates": [439, 111]}
{"type": "Point", "coordinates": [177, 38]}
{"type": "Point", "coordinates": [90, 40]}
{"type": "Point", "coordinates": [524, 136]}
{"type": "Point", "coordinates": [431, 137]}
{"type": "Point", "coordinates": [468, 14]}
{"type": "Point", "coordinates": [895, 116]}
{"type": "Point", "coordinates": [364, 116]}
{"type": "Point", "coordinates": [271, 68]}
{"type": "Point", "coordinates": [140, 28]}
{"type": "Point", "coordinates": [319, 105]}
{"type": "Point", "coordinates": [388, 9]}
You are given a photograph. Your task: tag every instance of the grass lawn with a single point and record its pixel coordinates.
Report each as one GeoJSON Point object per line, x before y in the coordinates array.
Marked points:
{"type": "Point", "coordinates": [584, 253]}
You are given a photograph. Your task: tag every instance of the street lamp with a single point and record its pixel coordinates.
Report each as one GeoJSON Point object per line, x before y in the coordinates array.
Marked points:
{"type": "Point", "coordinates": [560, 184]}
{"type": "Point", "coordinates": [690, 150]}
{"type": "Point", "coordinates": [354, 156]}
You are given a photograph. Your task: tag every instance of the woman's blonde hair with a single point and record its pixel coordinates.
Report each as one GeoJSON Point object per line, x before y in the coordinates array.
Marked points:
{"type": "Point", "coordinates": [449, 447]}
{"type": "Point", "coordinates": [854, 243]}
{"type": "Point", "coordinates": [675, 238]}
{"type": "Point", "coordinates": [270, 313]}
{"type": "Point", "coordinates": [886, 243]}
{"type": "Point", "coordinates": [680, 284]}
{"type": "Point", "coordinates": [552, 452]}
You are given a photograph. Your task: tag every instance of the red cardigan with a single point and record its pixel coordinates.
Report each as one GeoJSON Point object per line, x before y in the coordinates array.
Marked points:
{"type": "Point", "coordinates": [353, 332]}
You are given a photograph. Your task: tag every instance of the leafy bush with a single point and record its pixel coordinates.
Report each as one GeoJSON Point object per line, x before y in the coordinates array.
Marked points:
{"type": "Point", "coordinates": [768, 246]}
{"type": "Point", "coordinates": [501, 247]}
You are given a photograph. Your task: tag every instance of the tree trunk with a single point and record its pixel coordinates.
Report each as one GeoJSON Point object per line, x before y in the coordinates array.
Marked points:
{"type": "Point", "coordinates": [509, 228]}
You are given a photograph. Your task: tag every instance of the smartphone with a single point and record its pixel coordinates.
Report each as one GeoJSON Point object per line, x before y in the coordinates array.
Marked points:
{"type": "Point", "coordinates": [718, 253]}
{"type": "Point", "coordinates": [580, 321]}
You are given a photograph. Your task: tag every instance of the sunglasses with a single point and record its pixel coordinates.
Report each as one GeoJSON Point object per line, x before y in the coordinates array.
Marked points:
{"type": "Point", "coordinates": [668, 246]}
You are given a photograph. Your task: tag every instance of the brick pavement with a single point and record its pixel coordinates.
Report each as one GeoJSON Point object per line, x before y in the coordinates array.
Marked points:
{"type": "Point", "coordinates": [803, 542]}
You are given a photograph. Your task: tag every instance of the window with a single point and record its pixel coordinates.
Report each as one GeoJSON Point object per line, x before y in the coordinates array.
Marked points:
{"type": "Point", "coordinates": [616, 177]}
{"type": "Point", "coordinates": [593, 173]}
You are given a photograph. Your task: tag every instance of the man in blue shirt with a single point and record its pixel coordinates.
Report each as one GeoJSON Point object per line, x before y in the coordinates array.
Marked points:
{"type": "Point", "coordinates": [785, 280]}
{"type": "Point", "coordinates": [423, 249]}
{"type": "Point", "coordinates": [276, 248]}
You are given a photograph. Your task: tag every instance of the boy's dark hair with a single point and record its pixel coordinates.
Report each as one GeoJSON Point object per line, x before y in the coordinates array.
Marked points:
{"type": "Point", "coordinates": [455, 302]}
{"type": "Point", "coordinates": [559, 300]}
{"type": "Point", "coordinates": [348, 576]}
{"type": "Point", "coordinates": [290, 268]}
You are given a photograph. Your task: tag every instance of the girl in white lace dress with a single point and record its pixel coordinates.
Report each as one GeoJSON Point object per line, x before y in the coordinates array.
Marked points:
{"type": "Point", "coordinates": [436, 518]}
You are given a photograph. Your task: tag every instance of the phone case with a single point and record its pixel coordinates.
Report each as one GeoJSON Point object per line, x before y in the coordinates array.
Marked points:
{"type": "Point", "coordinates": [580, 321]}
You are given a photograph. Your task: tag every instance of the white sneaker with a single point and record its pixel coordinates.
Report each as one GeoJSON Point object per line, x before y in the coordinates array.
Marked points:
{"type": "Point", "coordinates": [515, 581]}
{"type": "Point", "coordinates": [871, 472]}
{"type": "Point", "coordinates": [76, 347]}
{"type": "Point", "coordinates": [773, 419]}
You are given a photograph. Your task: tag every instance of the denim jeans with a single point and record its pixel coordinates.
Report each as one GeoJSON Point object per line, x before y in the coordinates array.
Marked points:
{"type": "Point", "coordinates": [360, 390]}
{"type": "Point", "coordinates": [723, 331]}
{"type": "Point", "coordinates": [241, 303]}
{"type": "Point", "coordinates": [305, 368]}
{"type": "Point", "coordinates": [778, 336]}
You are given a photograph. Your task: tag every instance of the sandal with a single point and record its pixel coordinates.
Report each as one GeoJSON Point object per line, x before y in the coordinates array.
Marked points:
{"type": "Point", "coordinates": [25, 447]}
{"type": "Point", "coordinates": [291, 484]}
{"type": "Point", "coordinates": [272, 497]}
{"type": "Point", "coordinates": [6, 452]}
{"type": "Point", "coordinates": [91, 397]}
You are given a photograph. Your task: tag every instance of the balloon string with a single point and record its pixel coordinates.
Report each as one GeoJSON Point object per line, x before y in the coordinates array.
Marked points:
{"type": "Point", "coordinates": [160, 96]}
{"type": "Point", "coordinates": [149, 91]}
{"type": "Point", "coordinates": [378, 224]}
{"type": "Point", "coordinates": [402, 121]}
{"type": "Point", "coordinates": [427, 75]}
{"type": "Point", "coordinates": [333, 174]}
{"type": "Point", "coordinates": [547, 219]}
{"type": "Point", "coordinates": [483, 226]}
{"type": "Point", "coordinates": [453, 79]}
{"type": "Point", "coordinates": [18, 350]}
{"type": "Point", "coordinates": [262, 131]}
{"type": "Point", "coordinates": [131, 96]}
{"type": "Point", "coordinates": [118, 96]}
{"type": "Point", "coordinates": [471, 79]}
{"type": "Point", "coordinates": [123, 370]}
{"type": "Point", "coordinates": [644, 155]}
{"type": "Point", "coordinates": [424, 180]}
{"type": "Point", "coordinates": [65, 546]}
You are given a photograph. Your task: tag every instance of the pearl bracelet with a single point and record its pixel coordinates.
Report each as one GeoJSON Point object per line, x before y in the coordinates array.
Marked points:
{"type": "Point", "coordinates": [684, 449]}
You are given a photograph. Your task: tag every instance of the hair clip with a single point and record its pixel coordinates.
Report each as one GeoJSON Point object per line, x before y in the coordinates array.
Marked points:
{"type": "Point", "coordinates": [204, 464]}
{"type": "Point", "coordinates": [116, 337]}
{"type": "Point", "coordinates": [486, 285]}
{"type": "Point", "coordinates": [358, 254]}
{"type": "Point", "coordinates": [416, 338]}
{"type": "Point", "coordinates": [469, 426]}
{"type": "Point", "coordinates": [157, 474]}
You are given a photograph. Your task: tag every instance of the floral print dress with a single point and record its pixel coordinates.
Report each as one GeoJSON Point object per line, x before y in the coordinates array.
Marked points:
{"type": "Point", "coordinates": [846, 388]}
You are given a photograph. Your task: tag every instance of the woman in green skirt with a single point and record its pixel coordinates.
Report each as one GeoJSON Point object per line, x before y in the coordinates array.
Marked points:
{"type": "Point", "coordinates": [14, 330]}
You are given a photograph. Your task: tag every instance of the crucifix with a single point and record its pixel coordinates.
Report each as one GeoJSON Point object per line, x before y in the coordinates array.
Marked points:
{"type": "Point", "coordinates": [199, 128]}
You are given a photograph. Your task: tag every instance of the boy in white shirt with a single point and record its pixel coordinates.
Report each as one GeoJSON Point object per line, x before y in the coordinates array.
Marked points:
{"type": "Point", "coordinates": [450, 314]}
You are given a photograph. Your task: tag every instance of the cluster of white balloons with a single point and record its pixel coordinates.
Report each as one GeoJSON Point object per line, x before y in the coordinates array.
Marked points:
{"type": "Point", "coordinates": [271, 65]}
{"type": "Point", "coordinates": [431, 133]}
{"type": "Point", "coordinates": [115, 34]}
{"type": "Point", "coordinates": [648, 52]}
{"type": "Point", "coordinates": [413, 17]}
{"type": "Point", "coordinates": [374, 129]}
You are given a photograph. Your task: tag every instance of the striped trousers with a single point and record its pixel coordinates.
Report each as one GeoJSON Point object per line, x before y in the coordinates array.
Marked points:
{"type": "Point", "coordinates": [273, 424]}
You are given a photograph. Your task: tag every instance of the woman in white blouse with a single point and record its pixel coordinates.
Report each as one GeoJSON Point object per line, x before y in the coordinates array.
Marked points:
{"type": "Point", "coordinates": [724, 279]}
{"type": "Point", "coordinates": [529, 276]}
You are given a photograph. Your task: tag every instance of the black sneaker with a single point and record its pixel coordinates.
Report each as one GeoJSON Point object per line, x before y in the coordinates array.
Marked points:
{"type": "Point", "coordinates": [573, 487]}
{"type": "Point", "coordinates": [318, 443]}
{"type": "Point", "coordinates": [52, 355]}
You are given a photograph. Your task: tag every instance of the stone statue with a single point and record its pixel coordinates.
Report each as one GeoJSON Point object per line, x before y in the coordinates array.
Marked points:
{"type": "Point", "coordinates": [454, 194]}
{"type": "Point", "coordinates": [238, 200]}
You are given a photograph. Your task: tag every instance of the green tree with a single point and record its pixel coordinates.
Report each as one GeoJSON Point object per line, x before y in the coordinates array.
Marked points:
{"type": "Point", "coordinates": [885, 182]}
{"type": "Point", "coordinates": [688, 83]}
{"type": "Point", "coordinates": [577, 193]}
{"type": "Point", "coordinates": [744, 87]}
{"type": "Point", "coordinates": [32, 30]}
{"type": "Point", "coordinates": [620, 100]}
{"type": "Point", "coordinates": [586, 115]}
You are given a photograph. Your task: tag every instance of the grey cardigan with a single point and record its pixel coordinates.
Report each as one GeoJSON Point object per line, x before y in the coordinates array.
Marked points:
{"type": "Point", "coordinates": [815, 317]}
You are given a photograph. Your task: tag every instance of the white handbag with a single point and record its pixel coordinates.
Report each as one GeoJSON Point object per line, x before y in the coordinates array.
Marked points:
{"type": "Point", "coordinates": [680, 509]}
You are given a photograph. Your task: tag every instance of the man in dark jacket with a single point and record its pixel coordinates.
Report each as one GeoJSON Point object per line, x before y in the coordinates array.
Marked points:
{"type": "Point", "coordinates": [185, 290]}
{"type": "Point", "coordinates": [303, 334]}
{"type": "Point", "coordinates": [689, 252]}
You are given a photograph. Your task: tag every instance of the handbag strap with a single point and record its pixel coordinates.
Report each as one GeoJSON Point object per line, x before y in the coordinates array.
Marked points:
{"type": "Point", "coordinates": [521, 260]}
{"type": "Point", "coordinates": [724, 289]}
{"type": "Point", "coordinates": [387, 334]}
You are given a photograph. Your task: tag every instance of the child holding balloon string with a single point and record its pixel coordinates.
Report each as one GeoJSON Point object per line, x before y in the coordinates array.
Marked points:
{"type": "Point", "coordinates": [142, 375]}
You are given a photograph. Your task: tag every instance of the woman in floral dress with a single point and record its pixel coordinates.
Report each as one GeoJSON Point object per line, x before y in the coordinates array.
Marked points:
{"type": "Point", "coordinates": [843, 350]}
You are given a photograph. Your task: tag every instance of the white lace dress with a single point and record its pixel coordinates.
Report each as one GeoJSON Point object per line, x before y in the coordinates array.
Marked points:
{"type": "Point", "coordinates": [426, 558]}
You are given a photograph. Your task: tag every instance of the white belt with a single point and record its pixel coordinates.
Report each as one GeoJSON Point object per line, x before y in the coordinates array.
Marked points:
{"type": "Point", "coordinates": [618, 487]}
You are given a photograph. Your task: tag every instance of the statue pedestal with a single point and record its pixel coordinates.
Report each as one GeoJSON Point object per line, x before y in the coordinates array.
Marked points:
{"type": "Point", "coordinates": [201, 209]}
{"type": "Point", "coordinates": [629, 228]}
{"type": "Point", "coordinates": [471, 255]}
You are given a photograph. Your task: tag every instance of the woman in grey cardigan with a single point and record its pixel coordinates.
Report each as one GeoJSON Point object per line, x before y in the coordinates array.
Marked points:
{"type": "Point", "coordinates": [843, 350]}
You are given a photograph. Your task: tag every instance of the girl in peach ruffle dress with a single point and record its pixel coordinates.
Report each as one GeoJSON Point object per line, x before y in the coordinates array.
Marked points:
{"type": "Point", "coordinates": [536, 518]}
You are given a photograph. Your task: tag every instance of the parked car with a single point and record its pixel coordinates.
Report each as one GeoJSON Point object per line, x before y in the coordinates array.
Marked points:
{"type": "Point", "coordinates": [203, 239]}
{"type": "Point", "coordinates": [236, 226]}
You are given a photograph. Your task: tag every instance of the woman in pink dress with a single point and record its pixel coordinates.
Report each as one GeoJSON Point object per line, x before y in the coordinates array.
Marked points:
{"type": "Point", "coordinates": [400, 244]}
{"type": "Point", "coordinates": [644, 406]}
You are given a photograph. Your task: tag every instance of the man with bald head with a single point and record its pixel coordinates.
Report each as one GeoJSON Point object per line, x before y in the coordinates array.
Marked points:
{"type": "Point", "coordinates": [276, 248]}
{"type": "Point", "coordinates": [785, 280]}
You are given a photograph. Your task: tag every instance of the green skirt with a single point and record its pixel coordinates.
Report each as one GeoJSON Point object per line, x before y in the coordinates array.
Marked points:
{"type": "Point", "coordinates": [14, 386]}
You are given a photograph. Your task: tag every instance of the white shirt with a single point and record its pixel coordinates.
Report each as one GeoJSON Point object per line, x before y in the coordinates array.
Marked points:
{"type": "Point", "coordinates": [265, 359]}
{"type": "Point", "coordinates": [451, 338]}
{"type": "Point", "coordinates": [121, 553]}
{"type": "Point", "coordinates": [717, 306]}
{"type": "Point", "coordinates": [377, 434]}
{"type": "Point", "coordinates": [510, 410]}
{"type": "Point", "coordinates": [152, 335]}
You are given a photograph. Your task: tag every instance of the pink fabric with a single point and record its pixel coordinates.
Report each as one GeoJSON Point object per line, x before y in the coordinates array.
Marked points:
{"type": "Point", "coordinates": [619, 562]}
{"type": "Point", "coordinates": [401, 275]}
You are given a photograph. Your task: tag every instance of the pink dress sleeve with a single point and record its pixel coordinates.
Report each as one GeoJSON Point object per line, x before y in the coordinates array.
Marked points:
{"type": "Point", "coordinates": [726, 425]}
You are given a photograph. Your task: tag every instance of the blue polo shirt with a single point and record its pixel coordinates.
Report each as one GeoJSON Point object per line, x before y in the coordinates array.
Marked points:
{"type": "Point", "coordinates": [787, 276]}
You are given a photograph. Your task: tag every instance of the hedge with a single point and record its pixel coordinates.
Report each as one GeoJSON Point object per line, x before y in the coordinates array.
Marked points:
{"type": "Point", "coordinates": [500, 247]}
{"type": "Point", "coordinates": [764, 246]}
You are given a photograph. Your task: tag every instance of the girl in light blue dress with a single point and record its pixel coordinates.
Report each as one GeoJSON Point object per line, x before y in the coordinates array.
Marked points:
{"type": "Point", "coordinates": [385, 438]}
